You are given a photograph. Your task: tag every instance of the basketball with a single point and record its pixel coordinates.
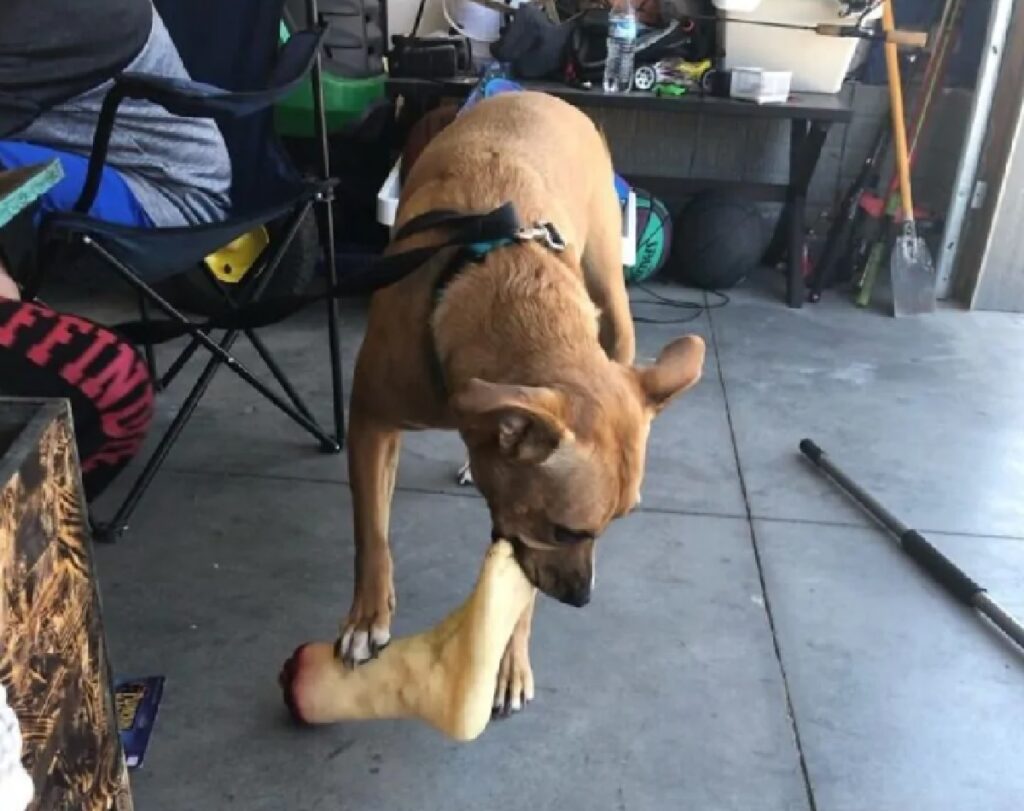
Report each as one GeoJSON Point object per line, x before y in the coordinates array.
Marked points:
{"type": "Point", "coordinates": [721, 239]}
{"type": "Point", "coordinates": [653, 237]}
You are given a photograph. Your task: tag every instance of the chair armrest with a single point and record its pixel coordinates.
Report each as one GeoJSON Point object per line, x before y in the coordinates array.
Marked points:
{"type": "Point", "coordinates": [191, 99]}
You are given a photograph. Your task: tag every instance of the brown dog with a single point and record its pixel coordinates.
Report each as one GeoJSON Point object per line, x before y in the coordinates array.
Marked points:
{"type": "Point", "coordinates": [535, 351]}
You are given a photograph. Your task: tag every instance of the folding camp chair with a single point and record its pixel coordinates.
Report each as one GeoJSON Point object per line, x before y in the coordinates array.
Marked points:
{"type": "Point", "coordinates": [231, 50]}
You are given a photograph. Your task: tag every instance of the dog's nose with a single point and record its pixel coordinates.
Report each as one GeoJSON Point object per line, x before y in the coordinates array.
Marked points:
{"type": "Point", "coordinates": [578, 595]}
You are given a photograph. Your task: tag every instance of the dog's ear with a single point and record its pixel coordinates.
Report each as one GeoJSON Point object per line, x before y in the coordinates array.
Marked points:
{"type": "Point", "coordinates": [526, 422]}
{"type": "Point", "coordinates": [678, 368]}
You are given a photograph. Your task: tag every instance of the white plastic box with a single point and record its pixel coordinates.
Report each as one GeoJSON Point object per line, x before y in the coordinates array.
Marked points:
{"type": "Point", "coordinates": [761, 86]}
{"type": "Point", "coordinates": [391, 191]}
{"type": "Point", "coordinates": [818, 63]}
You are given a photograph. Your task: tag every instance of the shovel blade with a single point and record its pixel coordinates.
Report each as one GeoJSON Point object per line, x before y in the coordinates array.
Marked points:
{"type": "Point", "coordinates": [913, 277]}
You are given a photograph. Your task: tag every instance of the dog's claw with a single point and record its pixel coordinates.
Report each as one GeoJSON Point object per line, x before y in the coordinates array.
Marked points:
{"type": "Point", "coordinates": [357, 646]}
{"type": "Point", "coordinates": [514, 688]}
{"type": "Point", "coordinates": [360, 648]}
{"type": "Point", "coordinates": [509, 704]}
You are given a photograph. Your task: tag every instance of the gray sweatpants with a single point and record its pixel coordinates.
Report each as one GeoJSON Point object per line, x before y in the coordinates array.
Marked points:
{"type": "Point", "coordinates": [178, 168]}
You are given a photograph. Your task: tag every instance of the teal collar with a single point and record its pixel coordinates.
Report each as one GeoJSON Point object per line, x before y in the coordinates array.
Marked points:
{"type": "Point", "coordinates": [481, 249]}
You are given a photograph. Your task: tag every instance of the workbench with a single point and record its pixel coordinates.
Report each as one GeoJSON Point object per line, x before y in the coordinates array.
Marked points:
{"type": "Point", "coordinates": [810, 116]}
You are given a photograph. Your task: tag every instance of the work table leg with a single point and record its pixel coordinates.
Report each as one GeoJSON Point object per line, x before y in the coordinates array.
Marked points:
{"type": "Point", "coordinates": [805, 142]}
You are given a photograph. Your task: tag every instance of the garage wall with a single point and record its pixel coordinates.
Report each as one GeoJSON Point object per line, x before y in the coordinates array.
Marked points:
{"type": "Point", "coordinates": [1001, 276]}
{"type": "Point", "coordinates": [989, 272]}
{"type": "Point", "coordinates": [402, 13]}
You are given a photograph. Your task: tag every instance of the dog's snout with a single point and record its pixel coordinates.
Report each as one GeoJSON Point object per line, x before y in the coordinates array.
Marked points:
{"type": "Point", "coordinates": [572, 588]}
{"type": "Point", "coordinates": [566, 574]}
{"type": "Point", "coordinates": [576, 590]}
{"type": "Point", "coordinates": [578, 597]}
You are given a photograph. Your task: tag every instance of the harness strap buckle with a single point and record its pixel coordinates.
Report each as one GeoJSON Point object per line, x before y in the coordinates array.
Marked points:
{"type": "Point", "coordinates": [544, 233]}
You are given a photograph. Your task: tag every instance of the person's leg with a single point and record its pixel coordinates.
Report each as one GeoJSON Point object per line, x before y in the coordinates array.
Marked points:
{"type": "Point", "coordinates": [8, 289]}
{"type": "Point", "coordinates": [18, 244]}
{"type": "Point", "coordinates": [48, 354]}
{"type": "Point", "coordinates": [114, 202]}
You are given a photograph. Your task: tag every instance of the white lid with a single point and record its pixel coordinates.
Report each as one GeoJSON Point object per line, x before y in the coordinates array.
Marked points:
{"type": "Point", "coordinates": [737, 5]}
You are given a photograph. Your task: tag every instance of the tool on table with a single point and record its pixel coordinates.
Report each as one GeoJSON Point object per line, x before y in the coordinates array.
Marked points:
{"type": "Point", "coordinates": [882, 211]}
{"type": "Point", "coordinates": [906, 39]}
{"type": "Point", "coordinates": [940, 568]}
{"type": "Point", "coordinates": [913, 272]}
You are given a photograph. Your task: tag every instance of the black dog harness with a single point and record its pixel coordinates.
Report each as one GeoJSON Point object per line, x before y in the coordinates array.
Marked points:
{"type": "Point", "coordinates": [475, 236]}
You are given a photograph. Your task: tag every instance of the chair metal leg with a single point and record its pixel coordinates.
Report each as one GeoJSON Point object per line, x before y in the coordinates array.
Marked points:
{"type": "Point", "coordinates": [179, 363]}
{"type": "Point", "coordinates": [261, 349]}
{"type": "Point", "coordinates": [327, 236]}
{"type": "Point", "coordinates": [216, 349]}
{"type": "Point", "coordinates": [148, 350]}
{"type": "Point", "coordinates": [112, 529]}
{"type": "Point", "coordinates": [277, 372]}
{"type": "Point", "coordinates": [186, 354]}
{"type": "Point", "coordinates": [333, 328]}
{"type": "Point", "coordinates": [221, 355]}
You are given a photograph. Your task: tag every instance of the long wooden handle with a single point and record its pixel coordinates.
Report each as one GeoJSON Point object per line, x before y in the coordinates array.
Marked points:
{"type": "Point", "coordinates": [908, 39]}
{"type": "Point", "coordinates": [933, 78]}
{"type": "Point", "coordinates": [905, 39]}
{"type": "Point", "coordinates": [899, 129]}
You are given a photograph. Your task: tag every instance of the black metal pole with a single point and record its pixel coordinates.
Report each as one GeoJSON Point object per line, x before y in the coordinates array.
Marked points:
{"type": "Point", "coordinates": [927, 557]}
{"type": "Point", "coordinates": [325, 204]}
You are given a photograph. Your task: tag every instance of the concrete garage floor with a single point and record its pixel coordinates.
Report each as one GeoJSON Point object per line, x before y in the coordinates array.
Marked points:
{"type": "Point", "coordinates": [753, 642]}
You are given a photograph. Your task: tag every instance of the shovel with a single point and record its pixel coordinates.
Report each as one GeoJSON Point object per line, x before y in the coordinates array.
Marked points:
{"type": "Point", "coordinates": [881, 221]}
{"type": "Point", "coordinates": [913, 272]}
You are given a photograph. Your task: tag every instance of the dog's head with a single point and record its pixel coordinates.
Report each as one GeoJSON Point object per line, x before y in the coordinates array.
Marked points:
{"type": "Point", "coordinates": [558, 464]}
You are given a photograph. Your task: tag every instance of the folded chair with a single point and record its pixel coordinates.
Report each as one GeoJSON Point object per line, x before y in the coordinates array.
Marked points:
{"type": "Point", "coordinates": [239, 71]}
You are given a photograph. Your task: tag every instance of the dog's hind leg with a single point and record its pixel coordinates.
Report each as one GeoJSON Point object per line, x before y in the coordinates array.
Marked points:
{"type": "Point", "coordinates": [605, 281]}
{"type": "Point", "coordinates": [373, 466]}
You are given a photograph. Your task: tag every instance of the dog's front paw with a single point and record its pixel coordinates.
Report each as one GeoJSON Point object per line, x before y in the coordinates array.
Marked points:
{"type": "Point", "coordinates": [514, 689]}
{"type": "Point", "coordinates": [367, 630]}
{"type": "Point", "coordinates": [465, 475]}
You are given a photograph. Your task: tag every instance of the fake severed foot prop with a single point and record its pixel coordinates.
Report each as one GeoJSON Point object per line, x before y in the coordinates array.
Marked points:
{"type": "Point", "coordinates": [444, 676]}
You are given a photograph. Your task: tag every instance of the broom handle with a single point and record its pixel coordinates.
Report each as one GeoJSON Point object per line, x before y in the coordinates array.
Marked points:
{"type": "Point", "coordinates": [899, 129]}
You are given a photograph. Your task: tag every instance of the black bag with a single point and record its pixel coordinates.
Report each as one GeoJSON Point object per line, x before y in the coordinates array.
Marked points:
{"type": "Point", "coordinates": [415, 57]}
{"type": "Point", "coordinates": [533, 45]}
{"type": "Point", "coordinates": [588, 46]}
{"type": "Point", "coordinates": [429, 57]}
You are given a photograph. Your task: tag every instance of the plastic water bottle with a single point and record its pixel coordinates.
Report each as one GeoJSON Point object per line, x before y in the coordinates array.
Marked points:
{"type": "Point", "coordinates": [618, 67]}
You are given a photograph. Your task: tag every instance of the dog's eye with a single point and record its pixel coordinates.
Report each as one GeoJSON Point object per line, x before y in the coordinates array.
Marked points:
{"type": "Point", "coordinates": [565, 535]}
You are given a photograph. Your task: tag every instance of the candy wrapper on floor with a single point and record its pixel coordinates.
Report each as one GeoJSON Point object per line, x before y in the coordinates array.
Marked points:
{"type": "Point", "coordinates": [444, 676]}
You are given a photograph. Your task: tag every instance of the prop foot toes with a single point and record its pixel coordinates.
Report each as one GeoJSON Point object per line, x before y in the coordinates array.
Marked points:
{"type": "Point", "coordinates": [286, 679]}
{"type": "Point", "coordinates": [309, 681]}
